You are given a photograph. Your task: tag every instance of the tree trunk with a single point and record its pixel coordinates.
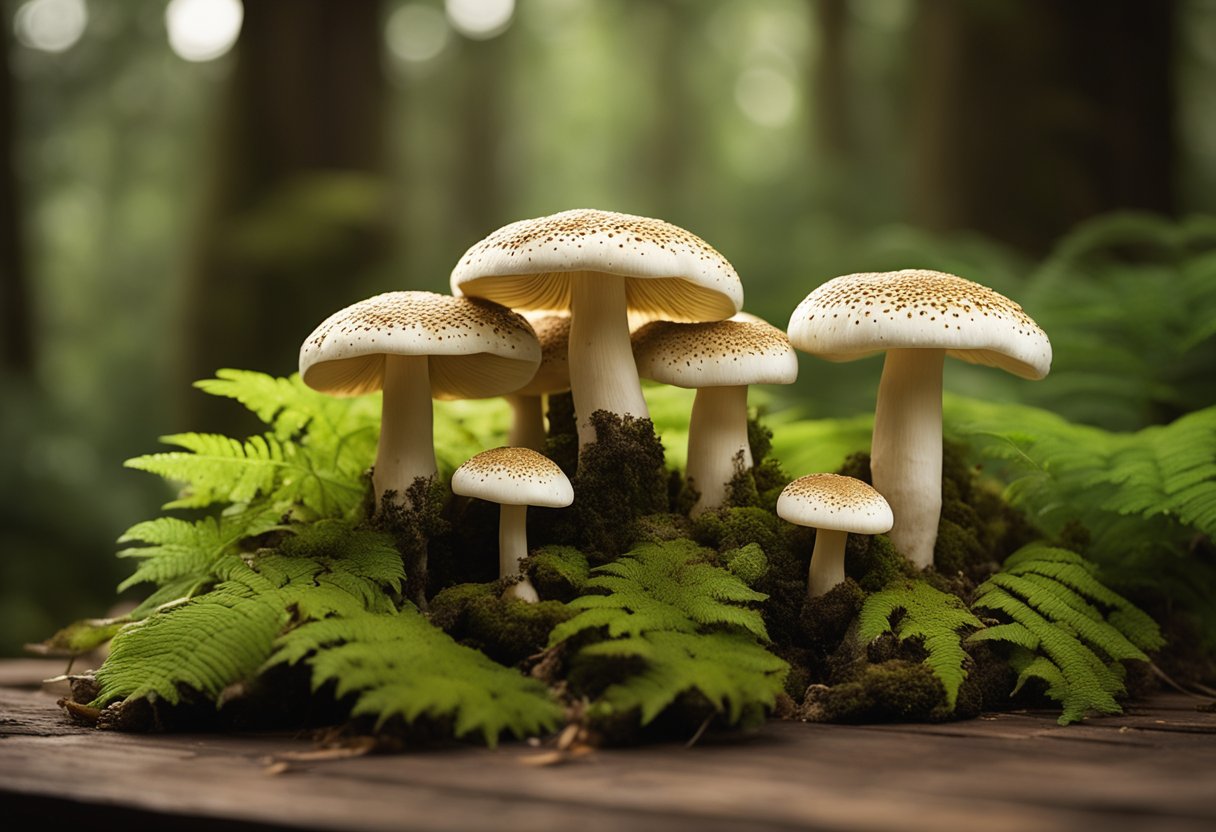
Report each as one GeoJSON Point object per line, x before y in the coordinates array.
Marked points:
{"type": "Point", "coordinates": [16, 329]}
{"type": "Point", "coordinates": [830, 81]}
{"type": "Point", "coordinates": [478, 175]}
{"type": "Point", "coordinates": [295, 212]}
{"type": "Point", "coordinates": [1033, 115]}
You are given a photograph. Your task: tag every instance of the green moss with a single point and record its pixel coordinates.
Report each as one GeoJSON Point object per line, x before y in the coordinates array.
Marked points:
{"type": "Point", "coordinates": [748, 562]}
{"type": "Point", "coordinates": [562, 444]}
{"type": "Point", "coordinates": [893, 691]}
{"type": "Point", "coordinates": [558, 573]}
{"type": "Point", "coordinates": [413, 523]}
{"type": "Point", "coordinates": [856, 466]}
{"type": "Point", "coordinates": [958, 549]}
{"type": "Point", "coordinates": [621, 477]}
{"type": "Point", "coordinates": [659, 528]}
{"type": "Point", "coordinates": [731, 528]}
{"type": "Point", "coordinates": [505, 629]}
{"type": "Point", "coordinates": [873, 562]}
{"type": "Point", "coordinates": [824, 621]}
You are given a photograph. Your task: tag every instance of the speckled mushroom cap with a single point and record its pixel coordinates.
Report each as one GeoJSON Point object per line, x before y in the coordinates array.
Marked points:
{"type": "Point", "coordinates": [513, 476]}
{"type": "Point", "coordinates": [830, 501]}
{"type": "Point", "coordinates": [553, 375]}
{"type": "Point", "coordinates": [717, 354]}
{"type": "Point", "coordinates": [860, 314]}
{"type": "Point", "coordinates": [673, 274]}
{"type": "Point", "coordinates": [476, 348]}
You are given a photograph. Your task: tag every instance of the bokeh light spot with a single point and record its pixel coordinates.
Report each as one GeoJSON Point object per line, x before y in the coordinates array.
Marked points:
{"type": "Point", "coordinates": [51, 25]}
{"type": "Point", "coordinates": [416, 33]}
{"type": "Point", "coordinates": [480, 19]}
{"type": "Point", "coordinates": [766, 96]}
{"type": "Point", "coordinates": [203, 30]}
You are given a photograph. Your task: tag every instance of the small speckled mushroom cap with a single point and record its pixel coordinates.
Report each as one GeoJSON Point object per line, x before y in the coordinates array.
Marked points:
{"type": "Point", "coordinates": [553, 375]}
{"type": "Point", "coordinates": [514, 477]}
{"type": "Point", "coordinates": [830, 501]}
{"type": "Point", "coordinates": [672, 273]}
{"type": "Point", "coordinates": [716, 354]}
{"type": "Point", "coordinates": [476, 348]}
{"type": "Point", "coordinates": [861, 314]}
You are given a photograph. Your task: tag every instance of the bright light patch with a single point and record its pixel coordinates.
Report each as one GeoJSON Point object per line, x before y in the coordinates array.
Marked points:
{"type": "Point", "coordinates": [203, 30]}
{"type": "Point", "coordinates": [51, 25]}
{"type": "Point", "coordinates": [416, 33]}
{"type": "Point", "coordinates": [766, 96]}
{"type": "Point", "coordinates": [480, 19]}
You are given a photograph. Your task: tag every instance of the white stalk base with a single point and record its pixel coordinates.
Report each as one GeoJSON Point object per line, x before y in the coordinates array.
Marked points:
{"type": "Point", "coordinates": [528, 423]}
{"type": "Point", "coordinates": [717, 436]}
{"type": "Point", "coordinates": [406, 450]}
{"type": "Point", "coordinates": [906, 457]}
{"type": "Point", "coordinates": [603, 375]}
{"type": "Point", "coordinates": [827, 562]}
{"type": "Point", "coordinates": [513, 547]}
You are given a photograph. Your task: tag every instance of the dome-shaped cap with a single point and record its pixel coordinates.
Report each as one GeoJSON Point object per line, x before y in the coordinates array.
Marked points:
{"type": "Point", "coordinates": [672, 273]}
{"type": "Point", "coordinates": [513, 476]}
{"type": "Point", "coordinates": [553, 375]}
{"type": "Point", "coordinates": [717, 354]}
{"type": "Point", "coordinates": [860, 314]}
{"type": "Point", "coordinates": [476, 348]}
{"type": "Point", "coordinates": [830, 501]}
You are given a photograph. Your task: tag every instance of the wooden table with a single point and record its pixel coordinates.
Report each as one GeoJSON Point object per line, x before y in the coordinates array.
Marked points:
{"type": "Point", "coordinates": [1153, 768]}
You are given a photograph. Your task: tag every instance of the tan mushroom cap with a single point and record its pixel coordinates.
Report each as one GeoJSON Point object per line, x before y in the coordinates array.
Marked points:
{"type": "Point", "coordinates": [553, 375]}
{"type": "Point", "coordinates": [831, 501]}
{"type": "Point", "coordinates": [717, 354]}
{"type": "Point", "coordinates": [513, 476]}
{"type": "Point", "coordinates": [861, 314]}
{"type": "Point", "coordinates": [476, 348]}
{"type": "Point", "coordinates": [673, 274]}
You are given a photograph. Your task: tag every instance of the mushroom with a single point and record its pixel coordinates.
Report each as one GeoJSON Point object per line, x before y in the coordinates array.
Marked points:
{"type": "Point", "coordinates": [918, 317]}
{"type": "Point", "coordinates": [834, 506]}
{"type": "Point", "coordinates": [415, 346]}
{"type": "Point", "coordinates": [600, 265]}
{"type": "Point", "coordinates": [553, 376]}
{"type": "Point", "coordinates": [719, 360]}
{"type": "Point", "coordinates": [515, 478]}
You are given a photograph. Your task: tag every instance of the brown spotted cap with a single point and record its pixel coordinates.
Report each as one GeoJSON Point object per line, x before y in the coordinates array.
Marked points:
{"type": "Point", "coordinates": [513, 476]}
{"type": "Point", "coordinates": [861, 314]}
{"type": "Point", "coordinates": [718, 354]}
{"type": "Point", "coordinates": [553, 376]}
{"type": "Point", "coordinates": [830, 501]}
{"type": "Point", "coordinates": [476, 348]}
{"type": "Point", "coordinates": [672, 273]}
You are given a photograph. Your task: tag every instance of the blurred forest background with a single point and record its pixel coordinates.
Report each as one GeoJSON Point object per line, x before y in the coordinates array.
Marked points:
{"type": "Point", "coordinates": [195, 184]}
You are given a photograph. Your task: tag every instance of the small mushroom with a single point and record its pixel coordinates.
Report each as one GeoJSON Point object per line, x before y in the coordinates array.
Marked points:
{"type": "Point", "coordinates": [719, 360]}
{"type": "Point", "coordinates": [600, 265]}
{"type": "Point", "coordinates": [415, 346]}
{"type": "Point", "coordinates": [918, 317]}
{"type": "Point", "coordinates": [553, 376]}
{"type": "Point", "coordinates": [515, 478]}
{"type": "Point", "coordinates": [834, 506]}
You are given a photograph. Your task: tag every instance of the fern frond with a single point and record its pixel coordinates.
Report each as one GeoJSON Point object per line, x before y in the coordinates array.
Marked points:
{"type": "Point", "coordinates": [400, 665]}
{"type": "Point", "coordinates": [183, 552]}
{"type": "Point", "coordinates": [684, 620]}
{"type": "Point", "coordinates": [930, 615]}
{"type": "Point", "coordinates": [730, 669]}
{"type": "Point", "coordinates": [663, 586]}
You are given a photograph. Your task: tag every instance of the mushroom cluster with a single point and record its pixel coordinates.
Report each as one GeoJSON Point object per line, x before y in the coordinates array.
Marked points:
{"type": "Point", "coordinates": [545, 305]}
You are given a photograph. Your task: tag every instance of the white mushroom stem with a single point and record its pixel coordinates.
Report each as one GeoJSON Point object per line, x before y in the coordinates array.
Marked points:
{"type": "Point", "coordinates": [603, 375]}
{"type": "Point", "coordinates": [406, 449]}
{"type": "Point", "coordinates": [717, 434]}
{"type": "Point", "coordinates": [906, 456]}
{"type": "Point", "coordinates": [827, 562]}
{"type": "Point", "coordinates": [512, 547]}
{"type": "Point", "coordinates": [528, 422]}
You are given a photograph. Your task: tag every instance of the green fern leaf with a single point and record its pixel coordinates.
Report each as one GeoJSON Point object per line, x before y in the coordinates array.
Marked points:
{"type": "Point", "coordinates": [400, 665]}
{"type": "Point", "coordinates": [730, 669]}
{"type": "Point", "coordinates": [180, 552]}
{"type": "Point", "coordinates": [930, 615]}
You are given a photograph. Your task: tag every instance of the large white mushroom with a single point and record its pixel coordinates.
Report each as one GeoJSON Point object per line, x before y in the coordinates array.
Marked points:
{"type": "Point", "coordinates": [719, 360]}
{"type": "Point", "coordinates": [600, 265]}
{"type": "Point", "coordinates": [515, 478]}
{"type": "Point", "coordinates": [834, 506]}
{"type": "Point", "coordinates": [415, 346]}
{"type": "Point", "coordinates": [917, 317]}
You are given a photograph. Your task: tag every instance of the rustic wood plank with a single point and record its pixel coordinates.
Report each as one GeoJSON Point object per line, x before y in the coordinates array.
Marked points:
{"type": "Point", "coordinates": [1008, 771]}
